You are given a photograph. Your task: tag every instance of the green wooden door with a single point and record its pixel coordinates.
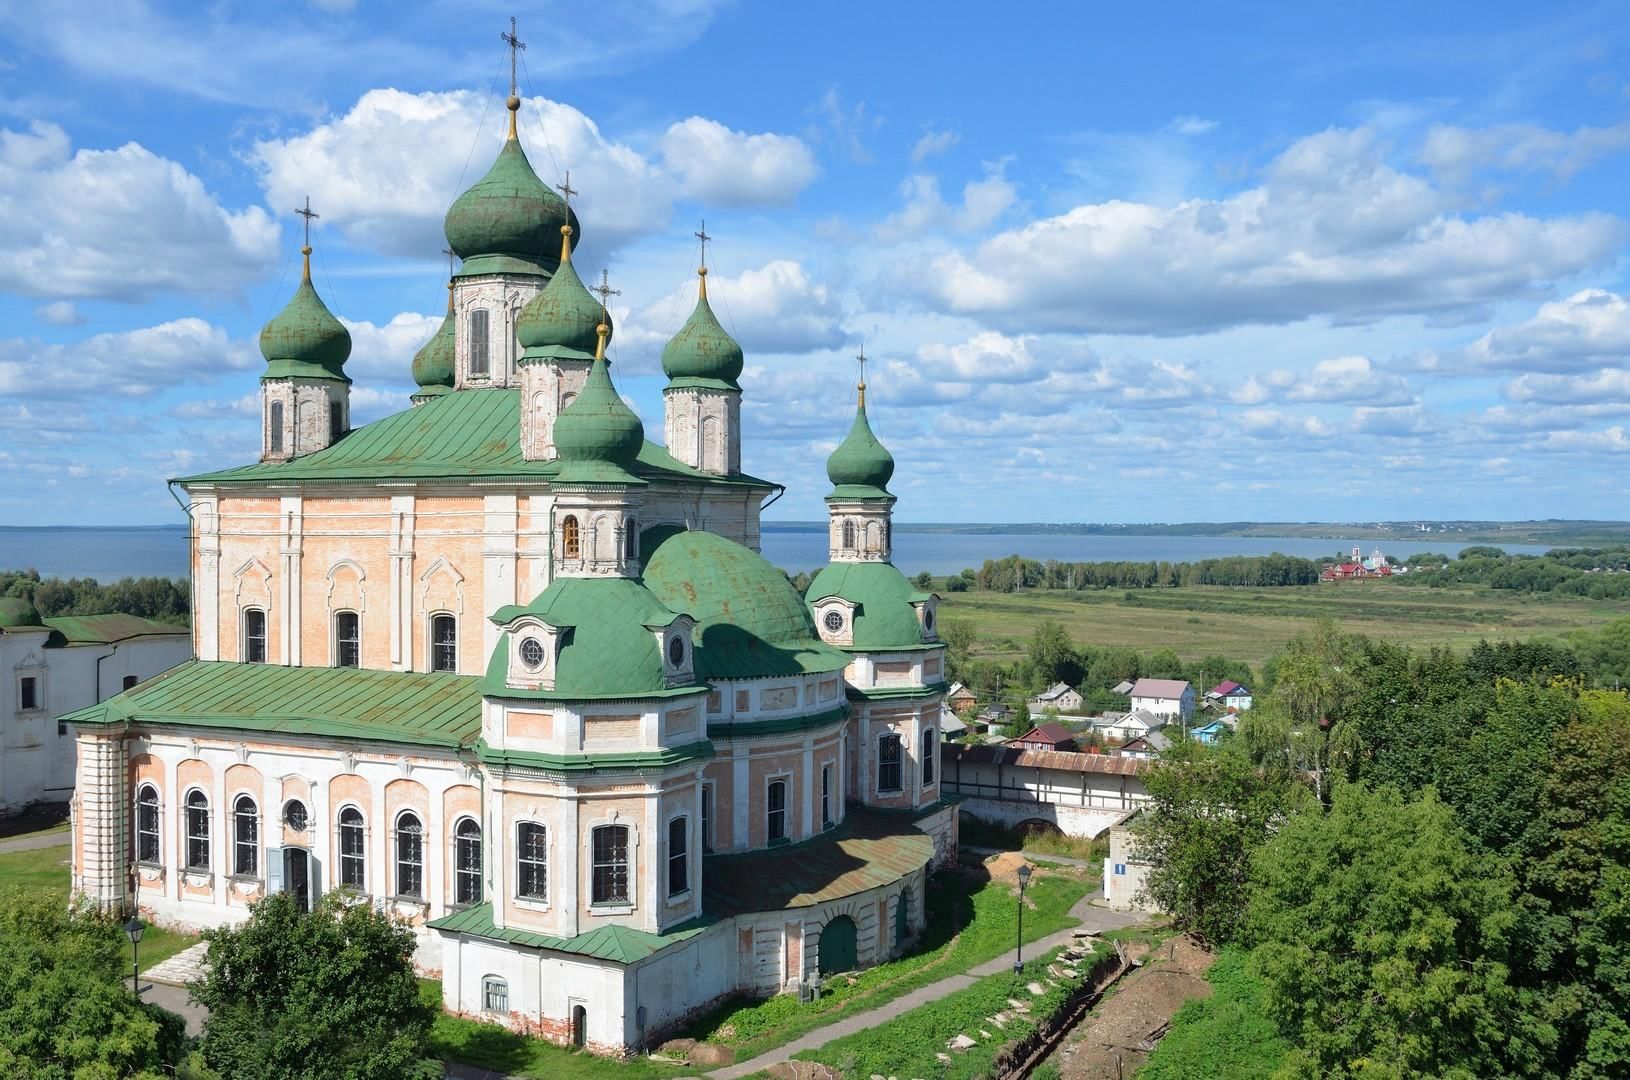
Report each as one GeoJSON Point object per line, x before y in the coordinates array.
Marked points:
{"type": "Point", "coordinates": [837, 945]}
{"type": "Point", "coordinates": [900, 907]}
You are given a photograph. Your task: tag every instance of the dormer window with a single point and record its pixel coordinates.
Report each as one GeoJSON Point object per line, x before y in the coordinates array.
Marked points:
{"type": "Point", "coordinates": [532, 654]}
{"type": "Point", "coordinates": [928, 618]}
{"type": "Point", "coordinates": [833, 622]}
{"type": "Point", "coordinates": [676, 651]}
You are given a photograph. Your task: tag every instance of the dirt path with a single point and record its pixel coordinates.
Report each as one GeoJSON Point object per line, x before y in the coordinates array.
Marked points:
{"type": "Point", "coordinates": [1116, 1039]}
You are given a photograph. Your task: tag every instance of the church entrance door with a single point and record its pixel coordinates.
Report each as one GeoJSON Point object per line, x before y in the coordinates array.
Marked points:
{"type": "Point", "coordinates": [837, 945]}
{"type": "Point", "coordinates": [297, 876]}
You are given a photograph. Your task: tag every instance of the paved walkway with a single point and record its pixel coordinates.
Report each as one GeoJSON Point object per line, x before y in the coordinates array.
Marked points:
{"type": "Point", "coordinates": [177, 1000]}
{"type": "Point", "coordinates": [1093, 919]}
{"type": "Point", "coordinates": [184, 967]}
{"type": "Point", "coordinates": [1034, 856]}
{"type": "Point", "coordinates": [34, 843]}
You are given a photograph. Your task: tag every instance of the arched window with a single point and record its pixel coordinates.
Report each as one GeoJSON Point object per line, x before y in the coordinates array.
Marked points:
{"type": "Point", "coordinates": [347, 639]}
{"type": "Point", "coordinates": [678, 858]}
{"type": "Point", "coordinates": [775, 810]}
{"type": "Point", "coordinates": [571, 544]}
{"type": "Point", "coordinates": [826, 796]}
{"type": "Point", "coordinates": [147, 849]}
{"type": "Point", "coordinates": [874, 536]}
{"type": "Point", "coordinates": [336, 421]}
{"type": "Point", "coordinates": [532, 861]}
{"type": "Point", "coordinates": [888, 763]}
{"type": "Point", "coordinates": [467, 859]}
{"type": "Point", "coordinates": [245, 836]}
{"type": "Point", "coordinates": [631, 539]}
{"type": "Point", "coordinates": [478, 342]}
{"type": "Point", "coordinates": [495, 995]}
{"type": "Point", "coordinates": [409, 856]}
{"type": "Point", "coordinates": [610, 884]}
{"type": "Point", "coordinates": [848, 534]}
{"type": "Point", "coordinates": [254, 636]}
{"type": "Point", "coordinates": [197, 830]}
{"type": "Point", "coordinates": [275, 425]}
{"type": "Point", "coordinates": [443, 643]}
{"type": "Point", "coordinates": [930, 754]}
{"type": "Point", "coordinates": [353, 850]}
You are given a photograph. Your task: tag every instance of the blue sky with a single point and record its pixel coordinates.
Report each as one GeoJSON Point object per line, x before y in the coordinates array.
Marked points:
{"type": "Point", "coordinates": [1186, 262]}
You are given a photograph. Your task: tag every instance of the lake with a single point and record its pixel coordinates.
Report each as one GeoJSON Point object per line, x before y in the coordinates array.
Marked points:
{"type": "Point", "coordinates": [109, 554]}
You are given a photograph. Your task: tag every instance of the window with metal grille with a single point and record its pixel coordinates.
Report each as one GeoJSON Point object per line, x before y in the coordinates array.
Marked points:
{"type": "Point", "coordinates": [678, 862]}
{"type": "Point", "coordinates": [29, 691]}
{"type": "Point", "coordinates": [610, 865]}
{"type": "Point", "coordinates": [409, 856]}
{"type": "Point", "coordinates": [826, 795]}
{"type": "Point", "coordinates": [197, 831]}
{"type": "Point", "coordinates": [353, 849]}
{"type": "Point", "coordinates": [494, 994]}
{"type": "Point", "coordinates": [532, 861]}
{"type": "Point", "coordinates": [888, 763]}
{"type": "Point", "coordinates": [930, 749]}
{"type": "Point", "coordinates": [776, 810]}
{"type": "Point", "coordinates": [478, 342]}
{"type": "Point", "coordinates": [147, 824]}
{"type": "Point", "coordinates": [443, 643]}
{"type": "Point", "coordinates": [245, 836]}
{"type": "Point", "coordinates": [631, 538]}
{"type": "Point", "coordinates": [276, 426]}
{"type": "Point", "coordinates": [571, 542]}
{"type": "Point", "coordinates": [347, 639]}
{"type": "Point", "coordinates": [848, 534]}
{"type": "Point", "coordinates": [336, 421]}
{"type": "Point", "coordinates": [467, 860]}
{"type": "Point", "coordinates": [254, 636]}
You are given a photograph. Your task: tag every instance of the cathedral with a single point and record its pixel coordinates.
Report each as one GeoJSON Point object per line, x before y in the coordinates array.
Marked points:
{"type": "Point", "coordinates": [500, 666]}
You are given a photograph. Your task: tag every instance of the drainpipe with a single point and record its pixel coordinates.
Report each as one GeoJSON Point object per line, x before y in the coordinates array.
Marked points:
{"type": "Point", "coordinates": [99, 659]}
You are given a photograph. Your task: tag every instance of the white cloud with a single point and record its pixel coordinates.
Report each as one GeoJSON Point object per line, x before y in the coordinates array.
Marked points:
{"type": "Point", "coordinates": [386, 351]}
{"type": "Point", "coordinates": [386, 172]}
{"type": "Point", "coordinates": [118, 224]}
{"type": "Point", "coordinates": [1345, 379]}
{"type": "Point", "coordinates": [1457, 152]}
{"type": "Point", "coordinates": [1276, 424]}
{"type": "Point", "coordinates": [1609, 384]}
{"type": "Point", "coordinates": [926, 211]}
{"type": "Point", "coordinates": [1587, 330]}
{"type": "Point", "coordinates": [1191, 125]}
{"type": "Point", "coordinates": [1332, 231]}
{"type": "Point", "coordinates": [1613, 440]}
{"type": "Point", "coordinates": [370, 403]}
{"type": "Point", "coordinates": [932, 143]}
{"type": "Point", "coordinates": [845, 127]}
{"type": "Point", "coordinates": [131, 363]}
{"type": "Point", "coordinates": [59, 313]}
{"type": "Point", "coordinates": [733, 168]}
{"type": "Point", "coordinates": [1395, 421]}
{"type": "Point", "coordinates": [235, 410]}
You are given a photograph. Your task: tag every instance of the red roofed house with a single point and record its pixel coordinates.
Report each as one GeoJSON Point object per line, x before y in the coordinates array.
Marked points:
{"type": "Point", "coordinates": [1045, 737]}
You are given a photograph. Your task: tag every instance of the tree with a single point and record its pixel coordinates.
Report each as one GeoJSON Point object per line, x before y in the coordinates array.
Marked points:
{"type": "Point", "coordinates": [65, 1009]}
{"type": "Point", "coordinates": [287, 989]}
{"type": "Point", "coordinates": [923, 581]}
{"type": "Point", "coordinates": [1384, 942]}
{"type": "Point", "coordinates": [1052, 654]}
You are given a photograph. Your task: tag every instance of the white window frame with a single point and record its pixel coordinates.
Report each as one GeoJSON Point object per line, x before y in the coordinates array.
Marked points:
{"type": "Point", "coordinates": [398, 863]}
{"type": "Point", "coordinates": [359, 858]}
{"type": "Point", "coordinates": [624, 904]}
{"type": "Point", "coordinates": [900, 762]}
{"type": "Point", "coordinates": [532, 899]}
{"type": "Point", "coordinates": [334, 629]}
{"type": "Point", "coordinates": [683, 820]}
{"type": "Point", "coordinates": [157, 831]}
{"type": "Point", "coordinates": [188, 835]}
{"type": "Point", "coordinates": [431, 644]}
{"type": "Point", "coordinates": [462, 873]}
{"type": "Point", "coordinates": [265, 634]}
{"type": "Point", "coordinates": [928, 767]}
{"type": "Point", "coordinates": [707, 807]}
{"type": "Point", "coordinates": [785, 780]}
{"type": "Point", "coordinates": [490, 983]}
{"type": "Point", "coordinates": [241, 847]}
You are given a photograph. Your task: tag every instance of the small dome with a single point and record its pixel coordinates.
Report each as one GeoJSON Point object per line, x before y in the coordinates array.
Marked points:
{"type": "Point", "coordinates": [509, 220]}
{"type": "Point", "coordinates": [15, 611]}
{"type": "Point", "coordinates": [305, 339]}
{"type": "Point", "coordinates": [885, 603]}
{"type": "Point", "coordinates": [860, 467]}
{"type": "Point", "coordinates": [433, 364]}
{"type": "Point", "coordinates": [560, 322]}
{"type": "Point", "coordinates": [597, 437]}
{"type": "Point", "coordinates": [702, 350]}
{"type": "Point", "coordinates": [611, 651]}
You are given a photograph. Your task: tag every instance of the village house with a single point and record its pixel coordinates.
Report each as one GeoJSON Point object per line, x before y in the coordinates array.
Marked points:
{"type": "Point", "coordinates": [1173, 698]}
{"type": "Point", "coordinates": [1147, 746]}
{"type": "Point", "coordinates": [1230, 695]}
{"type": "Point", "coordinates": [1051, 736]}
{"type": "Point", "coordinates": [1212, 730]}
{"type": "Point", "coordinates": [961, 699]}
{"type": "Point", "coordinates": [1132, 725]}
{"type": "Point", "coordinates": [1060, 697]}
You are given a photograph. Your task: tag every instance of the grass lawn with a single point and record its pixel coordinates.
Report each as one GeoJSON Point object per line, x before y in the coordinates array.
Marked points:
{"type": "Point", "coordinates": [1225, 1036]}
{"type": "Point", "coordinates": [46, 869]}
{"type": "Point", "coordinates": [489, 1046]}
{"type": "Point", "coordinates": [1034, 841]}
{"type": "Point", "coordinates": [909, 1044]}
{"type": "Point", "coordinates": [969, 921]}
{"type": "Point", "coordinates": [1253, 624]}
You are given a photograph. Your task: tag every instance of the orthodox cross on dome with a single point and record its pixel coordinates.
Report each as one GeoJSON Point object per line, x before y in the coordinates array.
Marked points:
{"type": "Point", "coordinates": [701, 271]}
{"type": "Point", "coordinates": [308, 213]}
{"type": "Point", "coordinates": [451, 255]}
{"type": "Point", "coordinates": [566, 189]}
{"type": "Point", "coordinates": [605, 291]}
{"type": "Point", "coordinates": [516, 47]}
{"type": "Point", "coordinates": [862, 384]}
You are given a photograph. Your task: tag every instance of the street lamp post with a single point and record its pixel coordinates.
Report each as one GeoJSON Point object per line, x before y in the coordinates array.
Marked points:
{"type": "Point", "coordinates": [133, 928]}
{"type": "Point", "coordinates": [1018, 950]}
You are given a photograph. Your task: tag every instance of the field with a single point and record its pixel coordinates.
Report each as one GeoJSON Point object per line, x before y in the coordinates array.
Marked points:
{"type": "Point", "coordinates": [1253, 624]}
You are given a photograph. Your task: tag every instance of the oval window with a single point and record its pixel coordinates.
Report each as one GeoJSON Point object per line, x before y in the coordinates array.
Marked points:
{"type": "Point", "coordinates": [294, 815]}
{"type": "Point", "coordinates": [928, 619]}
{"type": "Point", "coordinates": [676, 650]}
{"type": "Point", "coordinates": [834, 621]}
{"type": "Point", "coordinates": [532, 653]}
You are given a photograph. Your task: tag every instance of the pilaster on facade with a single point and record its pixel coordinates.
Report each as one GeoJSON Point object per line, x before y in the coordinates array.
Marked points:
{"type": "Point", "coordinates": [400, 553]}
{"type": "Point", "coordinates": [291, 548]}
{"type": "Point", "coordinates": [547, 387]}
{"type": "Point", "coordinates": [499, 557]}
{"type": "Point", "coordinates": [860, 530]}
{"type": "Point", "coordinates": [206, 593]}
{"type": "Point", "coordinates": [100, 813]}
{"type": "Point", "coordinates": [702, 427]}
{"type": "Point", "coordinates": [485, 307]}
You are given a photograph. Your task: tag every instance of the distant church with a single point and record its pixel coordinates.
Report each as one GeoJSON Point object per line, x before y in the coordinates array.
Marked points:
{"type": "Point", "coordinates": [501, 666]}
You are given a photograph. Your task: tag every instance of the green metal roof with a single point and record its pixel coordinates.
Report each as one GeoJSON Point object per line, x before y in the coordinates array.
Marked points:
{"type": "Point", "coordinates": [884, 616]}
{"type": "Point", "coordinates": [561, 321]}
{"type": "Point", "coordinates": [597, 437]}
{"type": "Point", "coordinates": [434, 362]}
{"type": "Point", "coordinates": [107, 629]}
{"type": "Point", "coordinates": [702, 353]}
{"type": "Point", "coordinates": [347, 703]}
{"type": "Point", "coordinates": [610, 648]}
{"type": "Point", "coordinates": [305, 340]}
{"type": "Point", "coordinates": [508, 221]}
{"type": "Point", "coordinates": [867, 851]}
{"type": "Point", "coordinates": [750, 621]}
{"type": "Point", "coordinates": [458, 437]}
{"type": "Point", "coordinates": [861, 467]}
{"type": "Point", "coordinates": [600, 761]}
{"type": "Point", "coordinates": [618, 944]}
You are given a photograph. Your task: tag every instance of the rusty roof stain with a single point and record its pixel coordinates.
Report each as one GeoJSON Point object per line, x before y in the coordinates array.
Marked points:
{"type": "Point", "coordinates": [1064, 760]}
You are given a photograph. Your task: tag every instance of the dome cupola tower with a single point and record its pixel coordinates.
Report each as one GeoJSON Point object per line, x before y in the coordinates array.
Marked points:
{"type": "Point", "coordinates": [433, 364]}
{"type": "Point", "coordinates": [702, 402]}
{"type": "Point", "coordinates": [860, 507]}
{"type": "Point", "coordinates": [305, 395]}
{"type": "Point", "coordinates": [558, 331]}
{"type": "Point", "coordinates": [503, 229]}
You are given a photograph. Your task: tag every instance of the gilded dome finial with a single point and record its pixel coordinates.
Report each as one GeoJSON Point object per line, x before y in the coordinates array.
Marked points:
{"type": "Point", "coordinates": [516, 47]}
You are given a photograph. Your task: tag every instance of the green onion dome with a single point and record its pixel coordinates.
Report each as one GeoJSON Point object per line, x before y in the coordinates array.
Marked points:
{"type": "Point", "coordinates": [560, 322]}
{"type": "Point", "coordinates": [16, 611]}
{"type": "Point", "coordinates": [702, 353]}
{"type": "Point", "coordinates": [597, 436]}
{"type": "Point", "coordinates": [507, 222]}
{"type": "Point", "coordinates": [433, 364]}
{"type": "Point", "coordinates": [860, 467]}
{"type": "Point", "coordinates": [305, 340]}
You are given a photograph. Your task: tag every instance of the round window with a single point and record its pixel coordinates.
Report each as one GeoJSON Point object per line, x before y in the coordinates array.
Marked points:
{"type": "Point", "coordinates": [834, 621]}
{"type": "Point", "coordinates": [294, 815]}
{"type": "Point", "coordinates": [532, 653]}
{"type": "Point", "coordinates": [928, 619]}
{"type": "Point", "coordinates": [676, 650]}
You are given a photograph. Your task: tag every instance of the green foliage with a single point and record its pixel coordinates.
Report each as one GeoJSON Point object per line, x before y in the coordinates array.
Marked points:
{"type": "Point", "coordinates": [923, 581]}
{"type": "Point", "coordinates": [1227, 1036]}
{"type": "Point", "coordinates": [1594, 572]}
{"type": "Point", "coordinates": [1384, 940]}
{"type": "Point", "coordinates": [286, 989]}
{"type": "Point", "coordinates": [1603, 655]}
{"type": "Point", "coordinates": [165, 599]}
{"type": "Point", "coordinates": [65, 1007]}
{"type": "Point", "coordinates": [1052, 655]}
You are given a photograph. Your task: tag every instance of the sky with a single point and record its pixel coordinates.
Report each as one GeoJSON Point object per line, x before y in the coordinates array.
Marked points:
{"type": "Point", "coordinates": [1130, 263]}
